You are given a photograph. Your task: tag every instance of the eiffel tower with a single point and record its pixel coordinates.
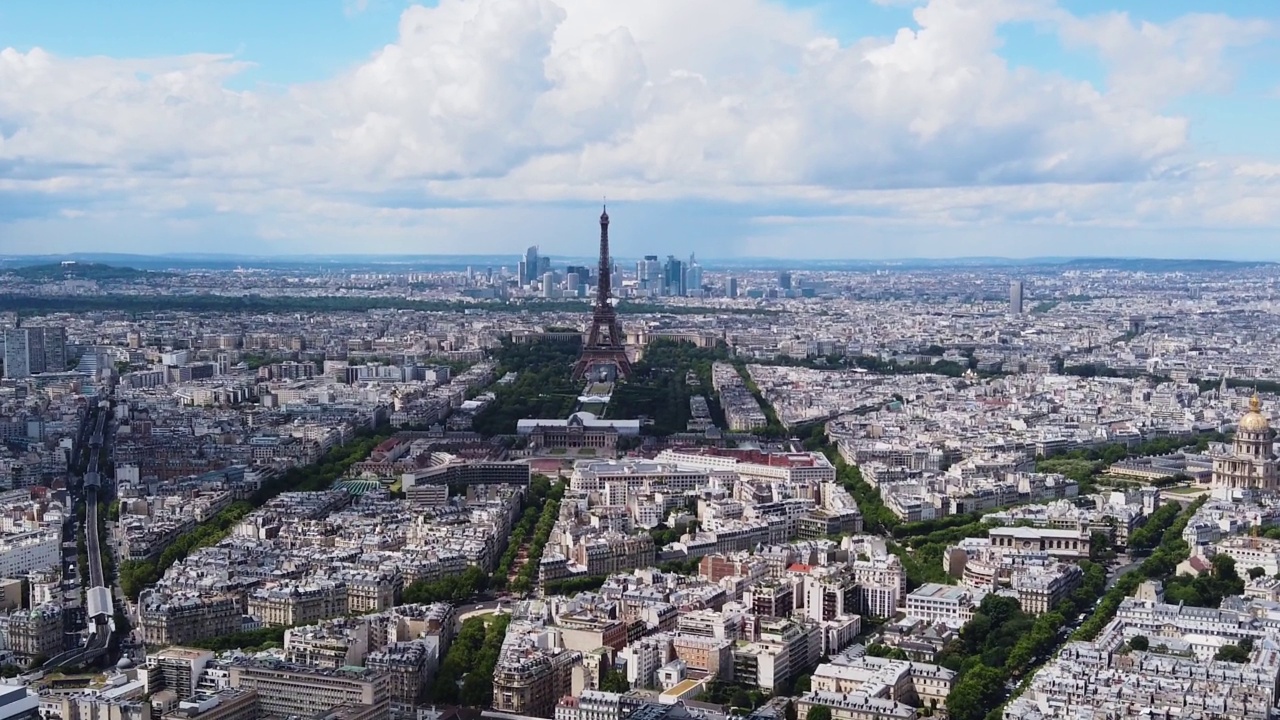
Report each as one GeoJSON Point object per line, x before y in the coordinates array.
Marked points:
{"type": "Point", "coordinates": [603, 349]}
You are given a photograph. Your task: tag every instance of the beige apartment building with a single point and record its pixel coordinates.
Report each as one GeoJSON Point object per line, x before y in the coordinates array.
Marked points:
{"type": "Point", "coordinates": [286, 690]}
{"type": "Point", "coordinates": [293, 605]}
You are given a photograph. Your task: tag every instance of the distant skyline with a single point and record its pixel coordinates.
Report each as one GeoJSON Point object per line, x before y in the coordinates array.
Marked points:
{"type": "Point", "coordinates": [858, 129]}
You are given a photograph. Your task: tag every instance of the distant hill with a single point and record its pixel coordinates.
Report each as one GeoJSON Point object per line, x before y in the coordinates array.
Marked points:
{"type": "Point", "coordinates": [81, 271]}
{"type": "Point", "coordinates": [1159, 265]}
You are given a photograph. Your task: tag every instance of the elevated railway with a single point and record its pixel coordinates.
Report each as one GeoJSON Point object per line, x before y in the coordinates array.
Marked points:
{"type": "Point", "coordinates": [100, 605]}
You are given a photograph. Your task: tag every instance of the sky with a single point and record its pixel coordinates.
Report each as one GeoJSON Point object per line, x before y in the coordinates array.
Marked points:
{"type": "Point", "coordinates": [854, 129]}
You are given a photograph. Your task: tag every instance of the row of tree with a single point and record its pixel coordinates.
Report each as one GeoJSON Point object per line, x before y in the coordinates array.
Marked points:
{"type": "Point", "coordinates": [1144, 539]}
{"type": "Point", "coordinates": [450, 588]}
{"type": "Point", "coordinates": [540, 491]}
{"type": "Point", "coordinates": [574, 585]}
{"type": "Point", "coordinates": [876, 518]}
{"type": "Point", "coordinates": [1162, 563]}
{"type": "Point", "coordinates": [136, 575]}
{"type": "Point", "coordinates": [1003, 644]}
{"type": "Point", "coordinates": [773, 426]}
{"type": "Point", "coordinates": [528, 576]}
{"type": "Point", "coordinates": [465, 676]}
{"type": "Point", "coordinates": [519, 533]}
{"type": "Point", "coordinates": [249, 640]}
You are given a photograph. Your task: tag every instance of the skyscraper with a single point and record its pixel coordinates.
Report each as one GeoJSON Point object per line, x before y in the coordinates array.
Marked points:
{"type": "Point", "coordinates": [784, 280]}
{"type": "Point", "coordinates": [531, 266]}
{"type": "Point", "coordinates": [1015, 297]}
{"type": "Point", "coordinates": [693, 280]}
{"type": "Point", "coordinates": [649, 273]}
{"type": "Point", "coordinates": [673, 277]}
{"type": "Point", "coordinates": [55, 349]}
{"type": "Point", "coordinates": [24, 352]}
{"type": "Point", "coordinates": [731, 287]}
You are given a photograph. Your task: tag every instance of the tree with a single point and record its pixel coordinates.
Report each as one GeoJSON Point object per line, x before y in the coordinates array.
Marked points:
{"type": "Point", "coordinates": [1256, 572]}
{"type": "Point", "coordinates": [1139, 642]}
{"type": "Point", "coordinates": [818, 712]}
{"type": "Point", "coordinates": [884, 651]}
{"type": "Point", "coordinates": [981, 689]}
{"type": "Point", "coordinates": [615, 682]}
{"type": "Point", "coordinates": [1100, 549]}
{"type": "Point", "coordinates": [1232, 653]}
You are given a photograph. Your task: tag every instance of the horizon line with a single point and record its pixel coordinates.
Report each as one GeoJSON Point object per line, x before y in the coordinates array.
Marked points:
{"type": "Point", "coordinates": [709, 258]}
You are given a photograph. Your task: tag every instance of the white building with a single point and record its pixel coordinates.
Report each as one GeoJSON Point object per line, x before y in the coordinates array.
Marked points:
{"type": "Point", "coordinates": [23, 553]}
{"type": "Point", "coordinates": [936, 603]}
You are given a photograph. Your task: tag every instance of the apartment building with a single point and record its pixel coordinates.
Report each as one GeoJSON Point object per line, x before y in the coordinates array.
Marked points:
{"type": "Point", "coordinates": [854, 706]}
{"type": "Point", "coordinates": [935, 603]}
{"type": "Point", "coordinates": [1063, 544]}
{"type": "Point", "coordinates": [911, 684]}
{"type": "Point", "coordinates": [409, 666]}
{"type": "Point", "coordinates": [180, 618]}
{"type": "Point", "coordinates": [228, 704]}
{"type": "Point", "coordinates": [177, 669]}
{"type": "Point", "coordinates": [1040, 587]}
{"type": "Point", "coordinates": [532, 672]}
{"type": "Point", "coordinates": [591, 705]}
{"type": "Point", "coordinates": [783, 650]}
{"type": "Point", "coordinates": [36, 632]}
{"type": "Point", "coordinates": [287, 690]}
{"type": "Point", "coordinates": [25, 552]}
{"type": "Point", "coordinates": [291, 604]}
{"type": "Point", "coordinates": [772, 598]}
{"type": "Point", "coordinates": [613, 552]}
{"type": "Point", "coordinates": [1251, 552]}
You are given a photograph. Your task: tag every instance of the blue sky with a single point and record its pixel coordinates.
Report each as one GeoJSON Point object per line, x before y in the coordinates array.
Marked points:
{"type": "Point", "coordinates": [732, 127]}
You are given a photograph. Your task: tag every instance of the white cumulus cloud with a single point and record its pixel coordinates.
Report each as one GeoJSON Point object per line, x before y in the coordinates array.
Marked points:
{"type": "Point", "coordinates": [507, 104]}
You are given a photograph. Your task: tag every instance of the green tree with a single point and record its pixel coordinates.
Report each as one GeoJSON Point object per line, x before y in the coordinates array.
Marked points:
{"type": "Point", "coordinates": [981, 689]}
{"type": "Point", "coordinates": [614, 681]}
{"type": "Point", "coordinates": [818, 712]}
{"type": "Point", "coordinates": [1232, 653]}
{"type": "Point", "coordinates": [1256, 572]}
{"type": "Point", "coordinates": [1139, 642]}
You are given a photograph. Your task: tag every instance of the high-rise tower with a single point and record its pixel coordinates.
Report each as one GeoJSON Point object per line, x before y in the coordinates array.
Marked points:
{"type": "Point", "coordinates": [603, 346]}
{"type": "Point", "coordinates": [1016, 290]}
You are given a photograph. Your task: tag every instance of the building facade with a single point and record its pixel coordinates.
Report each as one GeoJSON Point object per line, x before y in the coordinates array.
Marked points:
{"type": "Point", "coordinates": [1251, 464]}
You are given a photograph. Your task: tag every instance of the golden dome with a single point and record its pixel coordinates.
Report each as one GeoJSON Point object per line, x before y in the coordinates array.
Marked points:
{"type": "Point", "coordinates": [1254, 420]}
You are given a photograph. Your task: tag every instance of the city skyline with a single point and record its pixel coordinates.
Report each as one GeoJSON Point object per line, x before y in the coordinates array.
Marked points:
{"type": "Point", "coordinates": [879, 130]}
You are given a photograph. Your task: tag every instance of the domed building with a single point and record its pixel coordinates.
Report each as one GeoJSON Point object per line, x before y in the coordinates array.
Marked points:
{"type": "Point", "coordinates": [1251, 464]}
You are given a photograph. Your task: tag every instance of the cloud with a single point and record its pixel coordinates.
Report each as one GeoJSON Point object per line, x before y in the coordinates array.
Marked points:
{"type": "Point", "coordinates": [509, 104]}
{"type": "Point", "coordinates": [351, 8]}
{"type": "Point", "coordinates": [1152, 64]}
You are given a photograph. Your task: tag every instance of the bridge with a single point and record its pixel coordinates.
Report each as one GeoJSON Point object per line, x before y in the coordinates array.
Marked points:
{"type": "Point", "coordinates": [99, 602]}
